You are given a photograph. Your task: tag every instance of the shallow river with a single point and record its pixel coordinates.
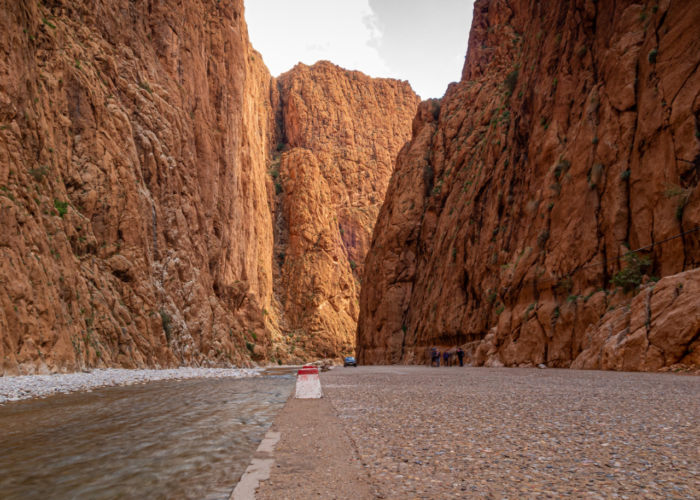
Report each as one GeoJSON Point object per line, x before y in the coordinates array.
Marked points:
{"type": "Point", "coordinates": [162, 440]}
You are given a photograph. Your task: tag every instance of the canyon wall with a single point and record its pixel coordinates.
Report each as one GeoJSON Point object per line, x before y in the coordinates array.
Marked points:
{"type": "Point", "coordinates": [571, 139]}
{"type": "Point", "coordinates": [136, 227]}
{"type": "Point", "coordinates": [340, 134]}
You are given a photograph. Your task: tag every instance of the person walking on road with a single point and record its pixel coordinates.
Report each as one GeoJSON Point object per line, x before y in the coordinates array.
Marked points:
{"type": "Point", "coordinates": [435, 357]}
{"type": "Point", "coordinates": [460, 356]}
{"type": "Point", "coordinates": [446, 357]}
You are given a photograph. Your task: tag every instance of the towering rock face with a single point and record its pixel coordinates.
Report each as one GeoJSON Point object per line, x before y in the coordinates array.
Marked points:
{"type": "Point", "coordinates": [571, 139]}
{"type": "Point", "coordinates": [342, 132]}
{"type": "Point", "coordinates": [135, 224]}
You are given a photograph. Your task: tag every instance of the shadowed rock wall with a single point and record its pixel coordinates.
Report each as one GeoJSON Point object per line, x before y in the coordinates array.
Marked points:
{"type": "Point", "coordinates": [571, 138]}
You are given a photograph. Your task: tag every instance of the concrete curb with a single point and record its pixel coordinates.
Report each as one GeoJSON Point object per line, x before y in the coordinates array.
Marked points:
{"type": "Point", "coordinates": [308, 384]}
{"type": "Point", "coordinates": [258, 470]}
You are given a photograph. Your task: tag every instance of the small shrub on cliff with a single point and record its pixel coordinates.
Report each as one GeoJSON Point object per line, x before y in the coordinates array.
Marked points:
{"type": "Point", "coordinates": [353, 264]}
{"type": "Point", "coordinates": [61, 207]}
{"type": "Point", "coordinates": [562, 168]}
{"type": "Point", "coordinates": [630, 277]}
{"type": "Point", "coordinates": [652, 56]}
{"type": "Point", "coordinates": [511, 81]}
{"type": "Point", "coordinates": [145, 86]}
{"type": "Point", "coordinates": [167, 324]}
{"type": "Point", "coordinates": [564, 285]}
{"type": "Point", "coordinates": [39, 173]}
{"type": "Point", "coordinates": [278, 188]}
{"type": "Point", "coordinates": [683, 195]}
{"type": "Point", "coordinates": [530, 308]}
{"type": "Point", "coordinates": [674, 191]}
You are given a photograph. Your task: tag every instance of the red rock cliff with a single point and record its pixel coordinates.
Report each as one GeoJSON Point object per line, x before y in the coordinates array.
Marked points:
{"type": "Point", "coordinates": [135, 228]}
{"type": "Point", "coordinates": [342, 132]}
{"type": "Point", "coordinates": [571, 139]}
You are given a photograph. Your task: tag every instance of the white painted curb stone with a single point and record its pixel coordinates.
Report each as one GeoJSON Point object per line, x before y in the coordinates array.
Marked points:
{"type": "Point", "coordinates": [258, 470]}
{"type": "Point", "coordinates": [308, 384]}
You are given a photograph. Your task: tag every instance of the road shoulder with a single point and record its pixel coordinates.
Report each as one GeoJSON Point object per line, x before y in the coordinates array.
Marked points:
{"type": "Point", "coordinates": [314, 456]}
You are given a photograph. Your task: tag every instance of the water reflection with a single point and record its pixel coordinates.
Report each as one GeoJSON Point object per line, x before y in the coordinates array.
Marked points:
{"type": "Point", "coordinates": [163, 440]}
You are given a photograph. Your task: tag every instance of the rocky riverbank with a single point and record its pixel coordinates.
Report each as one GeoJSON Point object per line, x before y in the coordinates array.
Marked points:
{"type": "Point", "coordinates": [39, 386]}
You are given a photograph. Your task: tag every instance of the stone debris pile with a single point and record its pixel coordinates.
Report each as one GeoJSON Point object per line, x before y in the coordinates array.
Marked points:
{"type": "Point", "coordinates": [28, 387]}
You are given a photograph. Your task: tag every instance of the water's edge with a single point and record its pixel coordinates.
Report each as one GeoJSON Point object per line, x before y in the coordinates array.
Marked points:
{"type": "Point", "coordinates": [165, 439]}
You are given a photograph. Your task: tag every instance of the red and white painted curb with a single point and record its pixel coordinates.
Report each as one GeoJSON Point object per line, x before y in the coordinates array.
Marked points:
{"type": "Point", "coordinates": [308, 384]}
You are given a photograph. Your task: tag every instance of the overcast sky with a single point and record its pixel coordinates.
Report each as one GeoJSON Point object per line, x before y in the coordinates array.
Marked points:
{"type": "Point", "coordinates": [422, 41]}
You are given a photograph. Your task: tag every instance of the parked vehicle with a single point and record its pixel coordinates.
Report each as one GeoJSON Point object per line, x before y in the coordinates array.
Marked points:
{"type": "Point", "coordinates": [350, 361]}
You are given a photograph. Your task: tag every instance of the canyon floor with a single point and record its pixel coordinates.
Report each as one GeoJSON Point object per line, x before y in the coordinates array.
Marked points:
{"type": "Point", "coordinates": [422, 432]}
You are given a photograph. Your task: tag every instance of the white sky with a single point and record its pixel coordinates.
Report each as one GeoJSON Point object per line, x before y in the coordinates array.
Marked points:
{"type": "Point", "coordinates": [422, 41]}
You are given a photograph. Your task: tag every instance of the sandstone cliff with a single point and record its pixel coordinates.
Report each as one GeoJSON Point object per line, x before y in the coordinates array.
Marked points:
{"type": "Point", "coordinates": [135, 224]}
{"type": "Point", "coordinates": [341, 132]}
{"type": "Point", "coordinates": [571, 139]}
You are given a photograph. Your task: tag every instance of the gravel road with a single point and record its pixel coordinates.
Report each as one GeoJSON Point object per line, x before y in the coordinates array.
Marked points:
{"type": "Point", "coordinates": [521, 433]}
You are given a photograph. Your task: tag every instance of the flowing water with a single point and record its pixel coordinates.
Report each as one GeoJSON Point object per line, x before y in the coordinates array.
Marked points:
{"type": "Point", "coordinates": [162, 440]}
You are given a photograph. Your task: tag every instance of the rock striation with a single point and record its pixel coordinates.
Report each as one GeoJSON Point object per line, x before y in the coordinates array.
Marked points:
{"type": "Point", "coordinates": [571, 139]}
{"type": "Point", "coordinates": [165, 202]}
{"type": "Point", "coordinates": [340, 134]}
{"type": "Point", "coordinates": [135, 225]}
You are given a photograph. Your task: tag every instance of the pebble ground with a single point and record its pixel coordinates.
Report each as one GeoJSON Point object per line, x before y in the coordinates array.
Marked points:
{"type": "Point", "coordinates": [41, 386]}
{"type": "Point", "coordinates": [521, 433]}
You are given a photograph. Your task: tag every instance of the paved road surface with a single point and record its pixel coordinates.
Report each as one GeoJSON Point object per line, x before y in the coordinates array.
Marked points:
{"type": "Point", "coordinates": [520, 433]}
{"type": "Point", "coordinates": [314, 457]}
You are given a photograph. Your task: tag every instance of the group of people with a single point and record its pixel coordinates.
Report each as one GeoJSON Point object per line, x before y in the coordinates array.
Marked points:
{"type": "Point", "coordinates": [447, 358]}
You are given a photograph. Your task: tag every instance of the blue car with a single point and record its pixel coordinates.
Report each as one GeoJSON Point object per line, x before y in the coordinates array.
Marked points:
{"type": "Point", "coordinates": [350, 361]}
